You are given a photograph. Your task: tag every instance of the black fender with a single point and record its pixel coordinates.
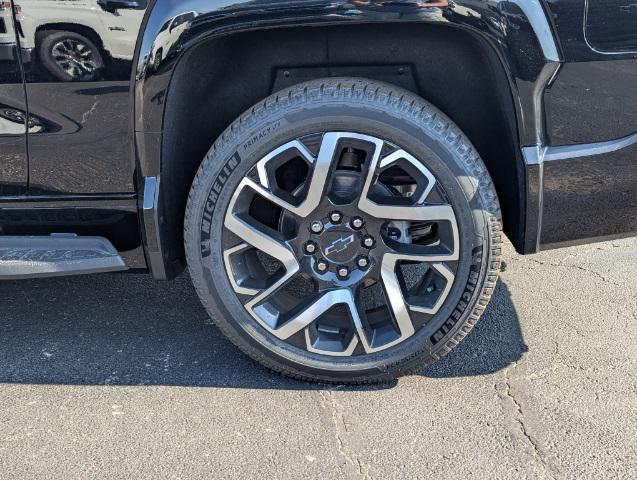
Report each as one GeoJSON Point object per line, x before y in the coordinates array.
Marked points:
{"type": "Point", "coordinates": [518, 31]}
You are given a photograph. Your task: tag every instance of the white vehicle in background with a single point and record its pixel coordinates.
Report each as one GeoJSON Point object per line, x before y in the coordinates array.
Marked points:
{"type": "Point", "coordinates": [7, 39]}
{"type": "Point", "coordinates": [168, 35]}
{"type": "Point", "coordinates": [74, 39]}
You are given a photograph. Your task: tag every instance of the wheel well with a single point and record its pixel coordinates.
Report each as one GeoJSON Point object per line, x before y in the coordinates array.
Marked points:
{"type": "Point", "coordinates": [455, 70]}
{"type": "Point", "coordinates": [69, 27]}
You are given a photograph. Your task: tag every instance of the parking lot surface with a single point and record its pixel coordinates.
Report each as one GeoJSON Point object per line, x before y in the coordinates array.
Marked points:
{"type": "Point", "coordinates": [120, 376]}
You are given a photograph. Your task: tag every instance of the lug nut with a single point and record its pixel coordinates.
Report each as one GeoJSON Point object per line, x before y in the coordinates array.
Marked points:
{"type": "Point", "coordinates": [357, 222]}
{"type": "Point", "coordinates": [343, 272]}
{"type": "Point", "coordinates": [321, 265]}
{"type": "Point", "coordinates": [362, 262]}
{"type": "Point", "coordinates": [316, 227]}
{"type": "Point", "coordinates": [310, 248]}
{"type": "Point", "coordinates": [368, 242]}
{"type": "Point", "coordinates": [336, 217]}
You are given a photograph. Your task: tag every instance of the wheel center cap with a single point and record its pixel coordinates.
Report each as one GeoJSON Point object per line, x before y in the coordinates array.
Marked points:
{"type": "Point", "coordinates": [340, 245]}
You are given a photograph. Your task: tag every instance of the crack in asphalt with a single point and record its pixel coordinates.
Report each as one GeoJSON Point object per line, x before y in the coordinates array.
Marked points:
{"type": "Point", "coordinates": [521, 421]}
{"type": "Point", "coordinates": [595, 273]}
{"type": "Point", "coordinates": [341, 428]}
{"type": "Point", "coordinates": [571, 366]}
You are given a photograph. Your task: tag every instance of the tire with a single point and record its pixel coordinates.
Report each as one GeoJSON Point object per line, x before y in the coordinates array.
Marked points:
{"type": "Point", "coordinates": [349, 339]}
{"type": "Point", "coordinates": [70, 56]}
{"type": "Point", "coordinates": [157, 59]}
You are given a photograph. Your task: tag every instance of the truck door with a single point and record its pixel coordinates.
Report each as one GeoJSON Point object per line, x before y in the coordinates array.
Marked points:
{"type": "Point", "coordinates": [79, 80]}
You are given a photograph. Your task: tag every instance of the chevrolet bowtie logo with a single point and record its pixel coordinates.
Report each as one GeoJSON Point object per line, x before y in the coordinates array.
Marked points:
{"type": "Point", "coordinates": [339, 244]}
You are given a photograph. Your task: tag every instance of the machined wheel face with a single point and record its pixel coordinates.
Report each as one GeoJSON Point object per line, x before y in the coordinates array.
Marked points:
{"type": "Point", "coordinates": [341, 244]}
{"type": "Point", "coordinates": [74, 57]}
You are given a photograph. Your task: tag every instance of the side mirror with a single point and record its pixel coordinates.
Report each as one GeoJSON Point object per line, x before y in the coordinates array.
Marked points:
{"type": "Point", "coordinates": [112, 6]}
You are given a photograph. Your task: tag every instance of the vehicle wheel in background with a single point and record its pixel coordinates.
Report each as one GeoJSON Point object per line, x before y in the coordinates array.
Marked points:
{"type": "Point", "coordinates": [70, 56]}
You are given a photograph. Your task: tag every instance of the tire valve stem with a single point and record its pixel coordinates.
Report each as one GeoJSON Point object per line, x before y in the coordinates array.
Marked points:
{"type": "Point", "coordinates": [431, 289]}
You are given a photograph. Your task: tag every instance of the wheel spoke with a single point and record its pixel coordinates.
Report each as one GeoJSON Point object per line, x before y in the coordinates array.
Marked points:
{"type": "Point", "coordinates": [254, 236]}
{"type": "Point", "coordinates": [424, 171]}
{"type": "Point", "coordinates": [396, 301]}
{"type": "Point", "coordinates": [427, 213]}
{"type": "Point", "coordinates": [320, 172]}
{"type": "Point", "coordinates": [346, 352]}
{"type": "Point", "coordinates": [293, 145]}
{"type": "Point", "coordinates": [311, 312]}
{"type": "Point", "coordinates": [262, 241]}
{"type": "Point", "coordinates": [259, 239]}
{"type": "Point", "coordinates": [89, 66]}
{"type": "Point", "coordinates": [227, 256]}
{"type": "Point", "coordinates": [261, 314]}
{"type": "Point", "coordinates": [394, 290]}
{"type": "Point", "coordinates": [416, 212]}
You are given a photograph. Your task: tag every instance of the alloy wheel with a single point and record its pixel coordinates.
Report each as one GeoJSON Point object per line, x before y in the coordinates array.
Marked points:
{"type": "Point", "coordinates": [341, 244]}
{"type": "Point", "coordinates": [74, 57]}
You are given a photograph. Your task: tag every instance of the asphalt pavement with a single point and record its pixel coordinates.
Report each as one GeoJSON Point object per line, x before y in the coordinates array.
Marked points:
{"type": "Point", "coordinates": [121, 376]}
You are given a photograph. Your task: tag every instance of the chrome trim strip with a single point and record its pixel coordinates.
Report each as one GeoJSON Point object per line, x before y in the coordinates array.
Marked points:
{"type": "Point", "coordinates": [152, 244]}
{"type": "Point", "coordinates": [151, 192]}
{"type": "Point", "coordinates": [533, 155]}
{"type": "Point", "coordinates": [539, 155]}
{"type": "Point", "coordinates": [534, 11]}
{"type": "Point", "coordinates": [552, 154]}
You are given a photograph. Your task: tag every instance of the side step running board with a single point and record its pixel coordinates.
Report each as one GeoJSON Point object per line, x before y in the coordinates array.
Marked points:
{"type": "Point", "coordinates": [56, 255]}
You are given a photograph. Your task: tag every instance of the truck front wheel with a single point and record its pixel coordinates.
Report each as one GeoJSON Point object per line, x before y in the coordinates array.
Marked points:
{"type": "Point", "coordinates": [343, 230]}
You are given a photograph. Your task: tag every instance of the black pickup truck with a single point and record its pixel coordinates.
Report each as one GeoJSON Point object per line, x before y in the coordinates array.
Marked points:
{"type": "Point", "coordinates": [337, 176]}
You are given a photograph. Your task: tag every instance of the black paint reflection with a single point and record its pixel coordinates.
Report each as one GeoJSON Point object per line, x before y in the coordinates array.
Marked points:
{"type": "Point", "coordinates": [90, 152]}
{"type": "Point", "coordinates": [592, 102]}
{"type": "Point", "coordinates": [81, 41]}
{"type": "Point", "coordinates": [78, 61]}
{"type": "Point", "coordinates": [590, 197]}
{"type": "Point", "coordinates": [13, 117]}
{"type": "Point", "coordinates": [611, 25]}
